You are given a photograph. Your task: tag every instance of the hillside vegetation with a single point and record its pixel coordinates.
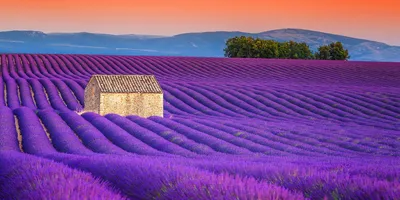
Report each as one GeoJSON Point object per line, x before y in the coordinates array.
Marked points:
{"type": "Point", "coordinates": [233, 129]}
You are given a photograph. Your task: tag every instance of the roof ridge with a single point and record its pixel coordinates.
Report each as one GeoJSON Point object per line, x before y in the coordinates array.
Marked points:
{"type": "Point", "coordinates": [127, 83]}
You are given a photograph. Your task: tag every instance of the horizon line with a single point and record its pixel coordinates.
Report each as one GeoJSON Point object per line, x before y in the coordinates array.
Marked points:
{"type": "Point", "coordinates": [215, 31]}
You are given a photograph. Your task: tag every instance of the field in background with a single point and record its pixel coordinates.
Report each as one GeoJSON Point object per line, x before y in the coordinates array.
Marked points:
{"type": "Point", "coordinates": [233, 128]}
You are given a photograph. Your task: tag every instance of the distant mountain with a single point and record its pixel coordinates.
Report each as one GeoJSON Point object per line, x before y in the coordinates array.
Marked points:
{"type": "Point", "coordinates": [207, 44]}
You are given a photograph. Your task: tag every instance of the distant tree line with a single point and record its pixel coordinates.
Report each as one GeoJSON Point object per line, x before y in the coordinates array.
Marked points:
{"type": "Point", "coordinates": [248, 47]}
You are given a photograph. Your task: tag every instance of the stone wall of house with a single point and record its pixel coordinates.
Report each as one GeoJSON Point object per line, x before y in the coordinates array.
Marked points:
{"type": "Point", "coordinates": [152, 105]}
{"type": "Point", "coordinates": [92, 97]}
{"type": "Point", "coordinates": [141, 104]}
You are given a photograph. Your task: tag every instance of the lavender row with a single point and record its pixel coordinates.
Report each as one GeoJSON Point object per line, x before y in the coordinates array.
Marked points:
{"type": "Point", "coordinates": [200, 137]}
{"type": "Point", "coordinates": [41, 99]}
{"type": "Point", "coordinates": [158, 178]}
{"type": "Point", "coordinates": [91, 137]}
{"type": "Point", "coordinates": [67, 95]}
{"type": "Point", "coordinates": [8, 133]}
{"type": "Point", "coordinates": [26, 93]}
{"type": "Point", "coordinates": [316, 178]}
{"type": "Point", "coordinates": [28, 177]}
{"type": "Point", "coordinates": [35, 140]}
{"type": "Point", "coordinates": [119, 136]}
{"type": "Point", "coordinates": [148, 137]}
{"type": "Point", "coordinates": [63, 138]}
{"type": "Point", "coordinates": [13, 99]}
{"type": "Point", "coordinates": [172, 136]}
{"type": "Point", "coordinates": [234, 138]}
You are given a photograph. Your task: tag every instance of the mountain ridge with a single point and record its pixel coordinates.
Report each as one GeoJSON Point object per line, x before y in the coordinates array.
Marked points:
{"type": "Point", "coordinates": [200, 44]}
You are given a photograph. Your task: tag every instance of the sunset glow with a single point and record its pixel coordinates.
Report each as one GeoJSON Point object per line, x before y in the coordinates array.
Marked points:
{"type": "Point", "coordinates": [370, 19]}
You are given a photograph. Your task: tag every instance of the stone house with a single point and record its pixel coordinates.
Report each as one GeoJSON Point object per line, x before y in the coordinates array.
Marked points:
{"type": "Point", "coordinates": [124, 95]}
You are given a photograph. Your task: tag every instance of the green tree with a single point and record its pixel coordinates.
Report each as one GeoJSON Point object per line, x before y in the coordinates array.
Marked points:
{"type": "Point", "coordinates": [266, 49]}
{"type": "Point", "coordinates": [333, 51]}
{"type": "Point", "coordinates": [338, 52]}
{"type": "Point", "coordinates": [247, 50]}
{"type": "Point", "coordinates": [305, 51]}
{"type": "Point", "coordinates": [294, 50]}
{"type": "Point", "coordinates": [248, 47]}
{"type": "Point", "coordinates": [240, 47]}
{"type": "Point", "coordinates": [299, 50]}
{"type": "Point", "coordinates": [232, 47]}
{"type": "Point", "coordinates": [323, 53]}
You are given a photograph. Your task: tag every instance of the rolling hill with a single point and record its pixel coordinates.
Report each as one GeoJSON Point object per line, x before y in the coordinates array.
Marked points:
{"type": "Point", "coordinates": [207, 44]}
{"type": "Point", "coordinates": [232, 129]}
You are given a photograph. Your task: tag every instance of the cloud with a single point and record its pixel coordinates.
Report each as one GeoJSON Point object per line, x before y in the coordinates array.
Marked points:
{"type": "Point", "coordinates": [194, 45]}
{"type": "Point", "coordinates": [78, 46]}
{"type": "Point", "coordinates": [12, 41]}
{"type": "Point", "coordinates": [131, 49]}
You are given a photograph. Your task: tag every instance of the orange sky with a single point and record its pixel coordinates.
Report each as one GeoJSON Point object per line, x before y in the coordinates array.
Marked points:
{"type": "Point", "coordinates": [371, 19]}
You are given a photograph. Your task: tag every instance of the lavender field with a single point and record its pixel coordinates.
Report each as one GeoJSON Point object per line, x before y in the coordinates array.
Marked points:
{"type": "Point", "coordinates": [232, 129]}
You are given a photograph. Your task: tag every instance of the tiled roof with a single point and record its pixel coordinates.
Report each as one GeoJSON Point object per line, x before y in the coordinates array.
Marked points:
{"type": "Point", "coordinates": [127, 83]}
